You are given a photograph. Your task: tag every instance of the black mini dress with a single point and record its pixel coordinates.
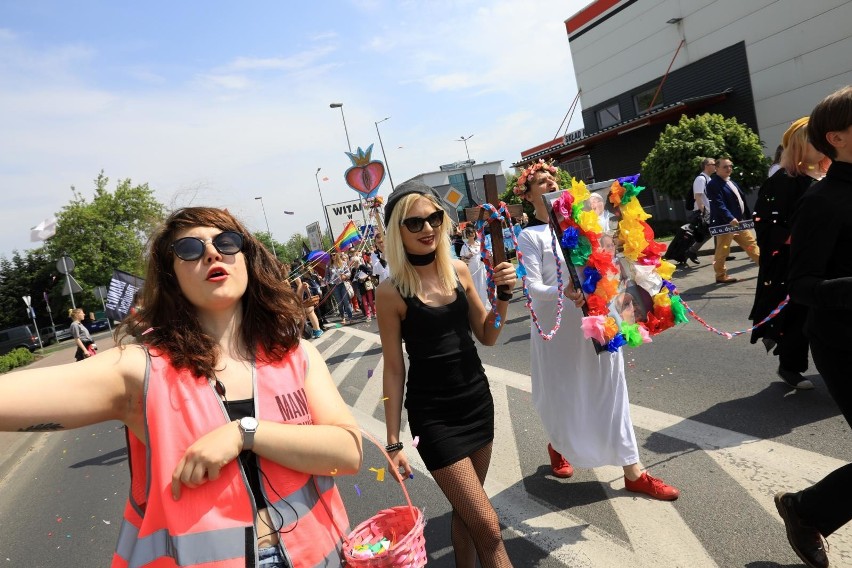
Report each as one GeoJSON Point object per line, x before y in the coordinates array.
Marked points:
{"type": "Point", "coordinates": [447, 396]}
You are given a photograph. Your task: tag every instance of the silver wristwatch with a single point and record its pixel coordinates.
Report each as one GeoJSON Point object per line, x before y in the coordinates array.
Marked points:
{"type": "Point", "coordinates": [248, 426]}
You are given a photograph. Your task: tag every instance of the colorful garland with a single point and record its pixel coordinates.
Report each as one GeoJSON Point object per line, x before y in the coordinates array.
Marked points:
{"type": "Point", "coordinates": [581, 234]}
{"type": "Point", "coordinates": [582, 238]}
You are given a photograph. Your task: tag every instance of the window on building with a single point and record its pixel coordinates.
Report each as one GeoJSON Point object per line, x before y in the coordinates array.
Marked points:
{"type": "Point", "coordinates": [642, 100]}
{"type": "Point", "coordinates": [459, 181]}
{"type": "Point", "coordinates": [609, 115]}
{"type": "Point", "coordinates": [579, 168]}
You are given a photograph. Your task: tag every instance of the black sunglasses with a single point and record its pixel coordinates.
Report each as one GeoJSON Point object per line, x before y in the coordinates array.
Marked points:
{"type": "Point", "coordinates": [192, 248]}
{"type": "Point", "coordinates": [415, 224]}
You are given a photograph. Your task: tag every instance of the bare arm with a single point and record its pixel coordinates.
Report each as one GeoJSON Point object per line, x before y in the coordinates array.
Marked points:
{"type": "Point", "coordinates": [388, 304]}
{"type": "Point", "coordinates": [106, 387]}
{"type": "Point", "coordinates": [390, 310]}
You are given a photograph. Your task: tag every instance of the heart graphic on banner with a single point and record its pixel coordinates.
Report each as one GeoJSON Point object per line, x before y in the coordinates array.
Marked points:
{"type": "Point", "coordinates": [366, 175]}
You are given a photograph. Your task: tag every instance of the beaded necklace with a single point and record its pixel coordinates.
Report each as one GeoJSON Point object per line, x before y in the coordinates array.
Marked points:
{"type": "Point", "coordinates": [497, 214]}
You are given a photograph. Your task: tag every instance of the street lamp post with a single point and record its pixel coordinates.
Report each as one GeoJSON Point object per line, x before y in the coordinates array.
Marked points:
{"type": "Point", "coordinates": [472, 175]}
{"type": "Point", "coordinates": [384, 156]}
{"type": "Point", "coordinates": [268, 232]}
{"type": "Point", "coordinates": [324, 212]}
{"type": "Point", "coordinates": [340, 106]}
{"type": "Point", "coordinates": [360, 199]}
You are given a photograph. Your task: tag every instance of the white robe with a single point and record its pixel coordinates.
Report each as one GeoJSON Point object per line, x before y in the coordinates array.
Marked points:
{"type": "Point", "coordinates": [477, 271]}
{"type": "Point", "coordinates": [580, 396]}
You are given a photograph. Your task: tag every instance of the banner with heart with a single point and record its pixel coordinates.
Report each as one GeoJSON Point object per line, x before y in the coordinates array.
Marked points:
{"type": "Point", "coordinates": [366, 175]}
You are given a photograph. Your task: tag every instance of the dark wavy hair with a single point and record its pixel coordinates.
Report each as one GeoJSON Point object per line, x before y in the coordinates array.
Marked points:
{"type": "Point", "coordinates": [272, 318]}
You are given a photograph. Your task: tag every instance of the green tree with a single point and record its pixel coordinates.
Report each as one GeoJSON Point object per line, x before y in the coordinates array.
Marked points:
{"type": "Point", "coordinates": [109, 232]}
{"type": "Point", "coordinates": [290, 251]}
{"type": "Point", "coordinates": [675, 159]}
{"type": "Point", "coordinates": [293, 249]}
{"type": "Point", "coordinates": [268, 242]}
{"type": "Point", "coordinates": [30, 274]}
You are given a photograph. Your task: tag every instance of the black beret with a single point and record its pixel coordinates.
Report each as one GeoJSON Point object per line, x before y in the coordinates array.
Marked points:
{"type": "Point", "coordinates": [407, 188]}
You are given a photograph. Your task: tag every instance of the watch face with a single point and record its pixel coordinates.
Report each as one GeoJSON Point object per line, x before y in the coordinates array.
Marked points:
{"type": "Point", "coordinates": [248, 423]}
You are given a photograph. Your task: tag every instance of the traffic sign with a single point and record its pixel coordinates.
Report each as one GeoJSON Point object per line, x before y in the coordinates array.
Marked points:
{"type": "Point", "coordinates": [65, 265]}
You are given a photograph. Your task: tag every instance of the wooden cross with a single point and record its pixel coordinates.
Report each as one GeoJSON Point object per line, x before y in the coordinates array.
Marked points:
{"type": "Point", "coordinates": [473, 214]}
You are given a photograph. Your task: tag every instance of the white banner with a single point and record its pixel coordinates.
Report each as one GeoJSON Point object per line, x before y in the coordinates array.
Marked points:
{"type": "Point", "coordinates": [43, 230]}
{"type": "Point", "coordinates": [341, 213]}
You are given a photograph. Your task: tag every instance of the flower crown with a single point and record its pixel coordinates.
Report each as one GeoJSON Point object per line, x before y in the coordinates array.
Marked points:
{"type": "Point", "coordinates": [520, 186]}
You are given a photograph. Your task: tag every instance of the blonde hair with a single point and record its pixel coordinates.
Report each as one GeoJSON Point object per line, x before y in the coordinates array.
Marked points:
{"type": "Point", "coordinates": [792, 158]}
{"type": "Point", "coordinates": [402, 273]}
{"type": "Point", "coordinates": [73, 311]}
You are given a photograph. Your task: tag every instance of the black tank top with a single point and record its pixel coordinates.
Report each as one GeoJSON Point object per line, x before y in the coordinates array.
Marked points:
{"type": "Point", "coordinates": [241, 409]}
{"type": "Point", "coordinates": [445, 374]}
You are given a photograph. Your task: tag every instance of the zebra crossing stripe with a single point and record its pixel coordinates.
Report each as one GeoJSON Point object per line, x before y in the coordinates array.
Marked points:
{"type": "Point", "coordinates": [761, 467]}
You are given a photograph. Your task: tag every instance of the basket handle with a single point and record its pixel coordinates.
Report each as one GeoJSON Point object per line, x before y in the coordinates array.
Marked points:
{"type": "Point", "coordinates": [392, 468]}
{"type": "Point", "coordinates": [396, 474]}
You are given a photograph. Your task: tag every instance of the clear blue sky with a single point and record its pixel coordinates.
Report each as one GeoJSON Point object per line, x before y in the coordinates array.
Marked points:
{"type": "Point", "coordinates": [216, 103]}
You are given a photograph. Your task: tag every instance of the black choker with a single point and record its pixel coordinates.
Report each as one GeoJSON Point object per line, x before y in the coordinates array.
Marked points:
{"type": "Point", "coordinates": [421, 259]}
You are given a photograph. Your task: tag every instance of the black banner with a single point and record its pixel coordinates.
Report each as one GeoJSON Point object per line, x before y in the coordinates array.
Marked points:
{"type": "Point", "coordinates": [122, 292]}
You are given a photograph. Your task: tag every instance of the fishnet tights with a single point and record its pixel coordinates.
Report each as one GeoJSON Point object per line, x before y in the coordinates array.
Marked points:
{"type": "Point", "coordinates": [475, 527]}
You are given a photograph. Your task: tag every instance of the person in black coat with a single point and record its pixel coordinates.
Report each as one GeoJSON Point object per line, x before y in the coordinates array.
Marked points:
{"type": "Point", "coordinates": [821, 278]}
{"type": "Point", "coordinates": [801, 165]}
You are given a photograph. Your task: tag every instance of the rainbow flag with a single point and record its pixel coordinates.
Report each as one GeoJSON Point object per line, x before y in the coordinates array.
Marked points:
{"type": "Point", "coordinates": [348, 237]}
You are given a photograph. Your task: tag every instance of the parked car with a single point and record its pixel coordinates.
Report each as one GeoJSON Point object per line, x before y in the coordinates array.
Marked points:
{"type": "Point", "coordinates": [97, 325]}
{"type": "Point", "coordinates": [48, 336]}
{"type": "Point", "coordinates": [63, 333]}
{"type": "Point", "coordinates": [15, 337]}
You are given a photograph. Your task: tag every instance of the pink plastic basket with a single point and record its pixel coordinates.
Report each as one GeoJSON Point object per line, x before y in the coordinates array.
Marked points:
{"type": "Point", "coordinates": [402, 525]}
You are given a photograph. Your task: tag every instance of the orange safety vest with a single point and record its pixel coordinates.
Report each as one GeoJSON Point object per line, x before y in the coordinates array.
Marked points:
{"type": "Point", "coordinates": [213, 525]}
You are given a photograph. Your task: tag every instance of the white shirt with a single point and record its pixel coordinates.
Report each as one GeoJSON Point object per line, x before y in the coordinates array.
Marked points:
{"type": "Point", "coordinates": [699, 189]}
{"type": "Point", "coordinates": [736, 191]}
{"type": "Point", "coordinates": [381, 271]}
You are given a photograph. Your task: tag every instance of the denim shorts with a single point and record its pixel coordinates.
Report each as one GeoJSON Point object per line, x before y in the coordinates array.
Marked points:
{"type": "Point", "coordinates": [271, 558]}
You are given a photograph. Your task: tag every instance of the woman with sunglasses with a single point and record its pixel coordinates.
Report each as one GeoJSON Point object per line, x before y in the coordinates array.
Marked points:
{"type": "Point", "coordinates": [431, 304]}
{"type": "Point", "coordinates": [234, 424]}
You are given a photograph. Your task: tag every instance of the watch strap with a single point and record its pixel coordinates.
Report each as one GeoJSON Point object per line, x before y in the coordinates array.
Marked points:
{"type": "Point", "coordinates": [248, 436]}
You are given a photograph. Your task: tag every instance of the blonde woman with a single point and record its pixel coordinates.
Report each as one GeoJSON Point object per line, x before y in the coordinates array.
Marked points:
{"type": "Point", "coordinates": [431, 304]}
{"type": "Point", "coordinates": [801, 166]}
{"type": "Point", "coordinates": [80, 334]}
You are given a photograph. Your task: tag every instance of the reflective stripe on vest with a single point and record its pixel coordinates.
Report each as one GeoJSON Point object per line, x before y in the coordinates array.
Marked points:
{"type": "Point", "coordinates": [214, 523]}
{"type": "Point", "coordinates": [186, 550]}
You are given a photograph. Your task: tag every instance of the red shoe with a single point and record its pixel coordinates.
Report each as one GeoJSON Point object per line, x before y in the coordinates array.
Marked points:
{"type": "Point", "coordinates": [652, 487]}
{"type": "Point", "coordinates": [558, 464]}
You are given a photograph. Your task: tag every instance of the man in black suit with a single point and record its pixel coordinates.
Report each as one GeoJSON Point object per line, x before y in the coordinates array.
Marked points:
{"type": "Point", "coordinates": [728, 207]}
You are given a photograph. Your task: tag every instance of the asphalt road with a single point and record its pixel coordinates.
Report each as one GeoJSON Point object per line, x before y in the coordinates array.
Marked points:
{"type": "Point", "coordinates": [710, 418]}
